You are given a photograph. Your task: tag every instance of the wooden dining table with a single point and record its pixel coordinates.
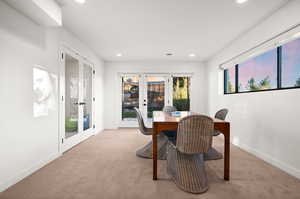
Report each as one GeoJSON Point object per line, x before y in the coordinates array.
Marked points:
{"type": "Point", "coordinates": [163, 121]}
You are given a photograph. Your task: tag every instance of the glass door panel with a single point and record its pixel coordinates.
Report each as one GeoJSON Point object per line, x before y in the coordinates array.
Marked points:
{"type": "Point", "coordinates": [156, 87]}
{"type": "Point", "coordinates": [181, 93]}
{"type": "Point", "coordinates": [87, 97]}
{"type": "Point", "coordinates": [71, 96]}
{"type": "Point", "coordinates": [130, 97]}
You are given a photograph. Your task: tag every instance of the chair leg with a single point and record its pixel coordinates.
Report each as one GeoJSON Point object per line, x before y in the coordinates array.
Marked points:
{"type": "Point", "coordinates": [187, 171]}
{"type": "Point", "coordinates": [212, 154]}
{"type": "Point", "coordinates": [146, 151]}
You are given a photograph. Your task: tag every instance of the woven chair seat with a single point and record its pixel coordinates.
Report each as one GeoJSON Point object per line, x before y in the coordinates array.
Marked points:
{"type": "Point", "coordinates": [146, 151]}
{"type": "Point", "coordinates": [212, 154]}
{"type": "Point", "coordinates": [169, 109]}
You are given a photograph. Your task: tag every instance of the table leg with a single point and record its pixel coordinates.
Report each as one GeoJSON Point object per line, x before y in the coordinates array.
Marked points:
{"type": "Point", "coordinates": [154, 152]}
{"type": "Point", "coordinates": [227, 153]}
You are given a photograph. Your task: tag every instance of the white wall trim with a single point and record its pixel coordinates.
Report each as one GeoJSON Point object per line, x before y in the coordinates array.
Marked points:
{"type": "Point", "coordinates": [274, 162]}
{"type": "Point", "coordinates": [27, 172]}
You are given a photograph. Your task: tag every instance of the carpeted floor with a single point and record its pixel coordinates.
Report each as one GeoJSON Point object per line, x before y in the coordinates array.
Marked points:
{"type": "Point", "coordinates": [105, 167]}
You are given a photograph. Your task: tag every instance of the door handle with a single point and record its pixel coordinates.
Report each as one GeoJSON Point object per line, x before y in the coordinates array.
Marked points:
{"type": "Point", "coordinates": [145, 104]}
{"type": "Point", "coordinates": [79, 103]}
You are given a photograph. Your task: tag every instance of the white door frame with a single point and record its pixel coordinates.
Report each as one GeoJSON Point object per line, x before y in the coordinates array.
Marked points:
{"type": "Point", "coordinates": [66, 144]}
{"type": "Point", "coordinates": [143, 94]}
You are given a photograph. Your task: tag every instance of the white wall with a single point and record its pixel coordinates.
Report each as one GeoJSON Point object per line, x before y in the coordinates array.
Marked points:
{"type": "Point", "coordinates": [264, 123]}
{"type": "Point", "coordinates": [112, 91]}
{"type": "Point", "coordinates": [28, 142]}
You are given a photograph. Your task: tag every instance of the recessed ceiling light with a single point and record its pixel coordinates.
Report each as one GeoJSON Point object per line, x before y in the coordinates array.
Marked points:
{"type": "Point", "coordinates": [241, 1]}
{"type": "Point", "coordinates": [119, 55]}
{"type": "Point", "coordinates": [169, 54]}
{"type": "Point", "coordinates": [192, 55]}
{"type": "Point", "coordinates": [80, 1]}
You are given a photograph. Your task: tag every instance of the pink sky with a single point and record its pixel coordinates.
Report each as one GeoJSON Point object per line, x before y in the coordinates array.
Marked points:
{"type": "Point", "coordinates": [291, 63]}
{"type": "Point", "coordinates": [266, 65]}
{"type": "Point", "coordinates": [259, 68]}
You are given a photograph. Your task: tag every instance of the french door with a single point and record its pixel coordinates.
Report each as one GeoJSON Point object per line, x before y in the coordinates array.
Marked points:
{"type": "Point", "coordinates": [155, 95]}
{"type": "Point", "coordinates": [151, 92]}
{"type": "Point", "coordinates": [77, 102]}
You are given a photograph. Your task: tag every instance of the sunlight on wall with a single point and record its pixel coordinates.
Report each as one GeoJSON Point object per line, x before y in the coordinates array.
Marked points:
{"type": "Point", "coordinates": [44, 91]}
{"type": "Point", "coordinates": [236, 140]}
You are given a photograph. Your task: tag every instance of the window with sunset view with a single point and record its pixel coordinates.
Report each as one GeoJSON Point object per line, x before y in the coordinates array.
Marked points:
{"type": "Point", "coordinates": [275, 69]}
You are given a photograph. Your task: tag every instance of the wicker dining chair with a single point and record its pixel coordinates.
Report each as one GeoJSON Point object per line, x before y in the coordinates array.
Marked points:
{"type": "Point", "coordinates": [146, 151]}
{"type": "Point", "coordinates": [169, 109]}
{"type": "Point", "coordinates": [169, 134]}
{"type": "Point", "coordinates": [221, 114]}
{"type": "Point", "coordinates": [212, 153]}
{"type": "Point", "coordinates": [185, 161]}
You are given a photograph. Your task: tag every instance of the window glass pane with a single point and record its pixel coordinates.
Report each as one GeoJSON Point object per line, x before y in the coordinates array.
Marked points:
{"type": "Point", "coordinates": [72, 96]}
{"type": "Point", "coordinates": [291, 64]}
{"type": "Point", "coordinates": [230, 80]}
{"type": "Point", "coordinates": [87, 96]}
{"type": "Point", "coordinates": [259, 73]}
{"type": "Point", "coordinates": [130, 97]}
{"type": "Point", "coordinates": [155, 94]}
{"type": "Point", "coordinates": [181, 93]}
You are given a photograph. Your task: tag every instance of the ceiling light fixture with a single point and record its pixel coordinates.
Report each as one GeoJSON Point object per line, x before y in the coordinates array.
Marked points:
{"type": "Point", "coordinates": [192, 55]}
{"type": "Point", "coordinates": [119, 55]}
{"type": "Point", "coordinates": [80, 1]}
{"type": "Point", "coordinates": [169, 54]}
{"type": "Point", "coordinates": [241, 1]}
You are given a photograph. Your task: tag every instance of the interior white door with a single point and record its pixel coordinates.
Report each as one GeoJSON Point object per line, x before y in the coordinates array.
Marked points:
{"type": "Point", "coordinates": [77, 100]}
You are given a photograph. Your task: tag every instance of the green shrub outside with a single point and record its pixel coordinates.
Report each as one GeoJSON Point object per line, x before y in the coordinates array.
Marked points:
{"type": "Point", "coordinates": [71, 126]}
{"type": "Point", "coordinates": [182, 104]}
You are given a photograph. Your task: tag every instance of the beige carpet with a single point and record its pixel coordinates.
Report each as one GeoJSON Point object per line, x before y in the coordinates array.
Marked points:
{"type": "Point", "coordinates": [105, 167]}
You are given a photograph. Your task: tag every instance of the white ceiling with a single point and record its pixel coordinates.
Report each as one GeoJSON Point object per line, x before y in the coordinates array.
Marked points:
{"type": "Point", "coordinates": [147, 29]}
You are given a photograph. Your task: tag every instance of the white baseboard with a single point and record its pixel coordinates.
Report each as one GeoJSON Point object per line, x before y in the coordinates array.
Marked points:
{"type": "Point", "coordinates": [279, 164]}
{"type": "Point", "coordinates": [26, 172]}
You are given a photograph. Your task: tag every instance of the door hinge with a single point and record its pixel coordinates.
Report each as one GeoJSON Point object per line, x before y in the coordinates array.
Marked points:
{"type": "Point", "coordinates": [62, 56]}
{"type": "Point", "coordinates": [62, 140]}
{"type": "Point", "coordinates": [94, 126]}
{"type": "Point", "coordinates": [62, 98]}
{"type": "Point", "coordinates": [94, 99]}
{"type": "Point", "coordinates": [94, 72]}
